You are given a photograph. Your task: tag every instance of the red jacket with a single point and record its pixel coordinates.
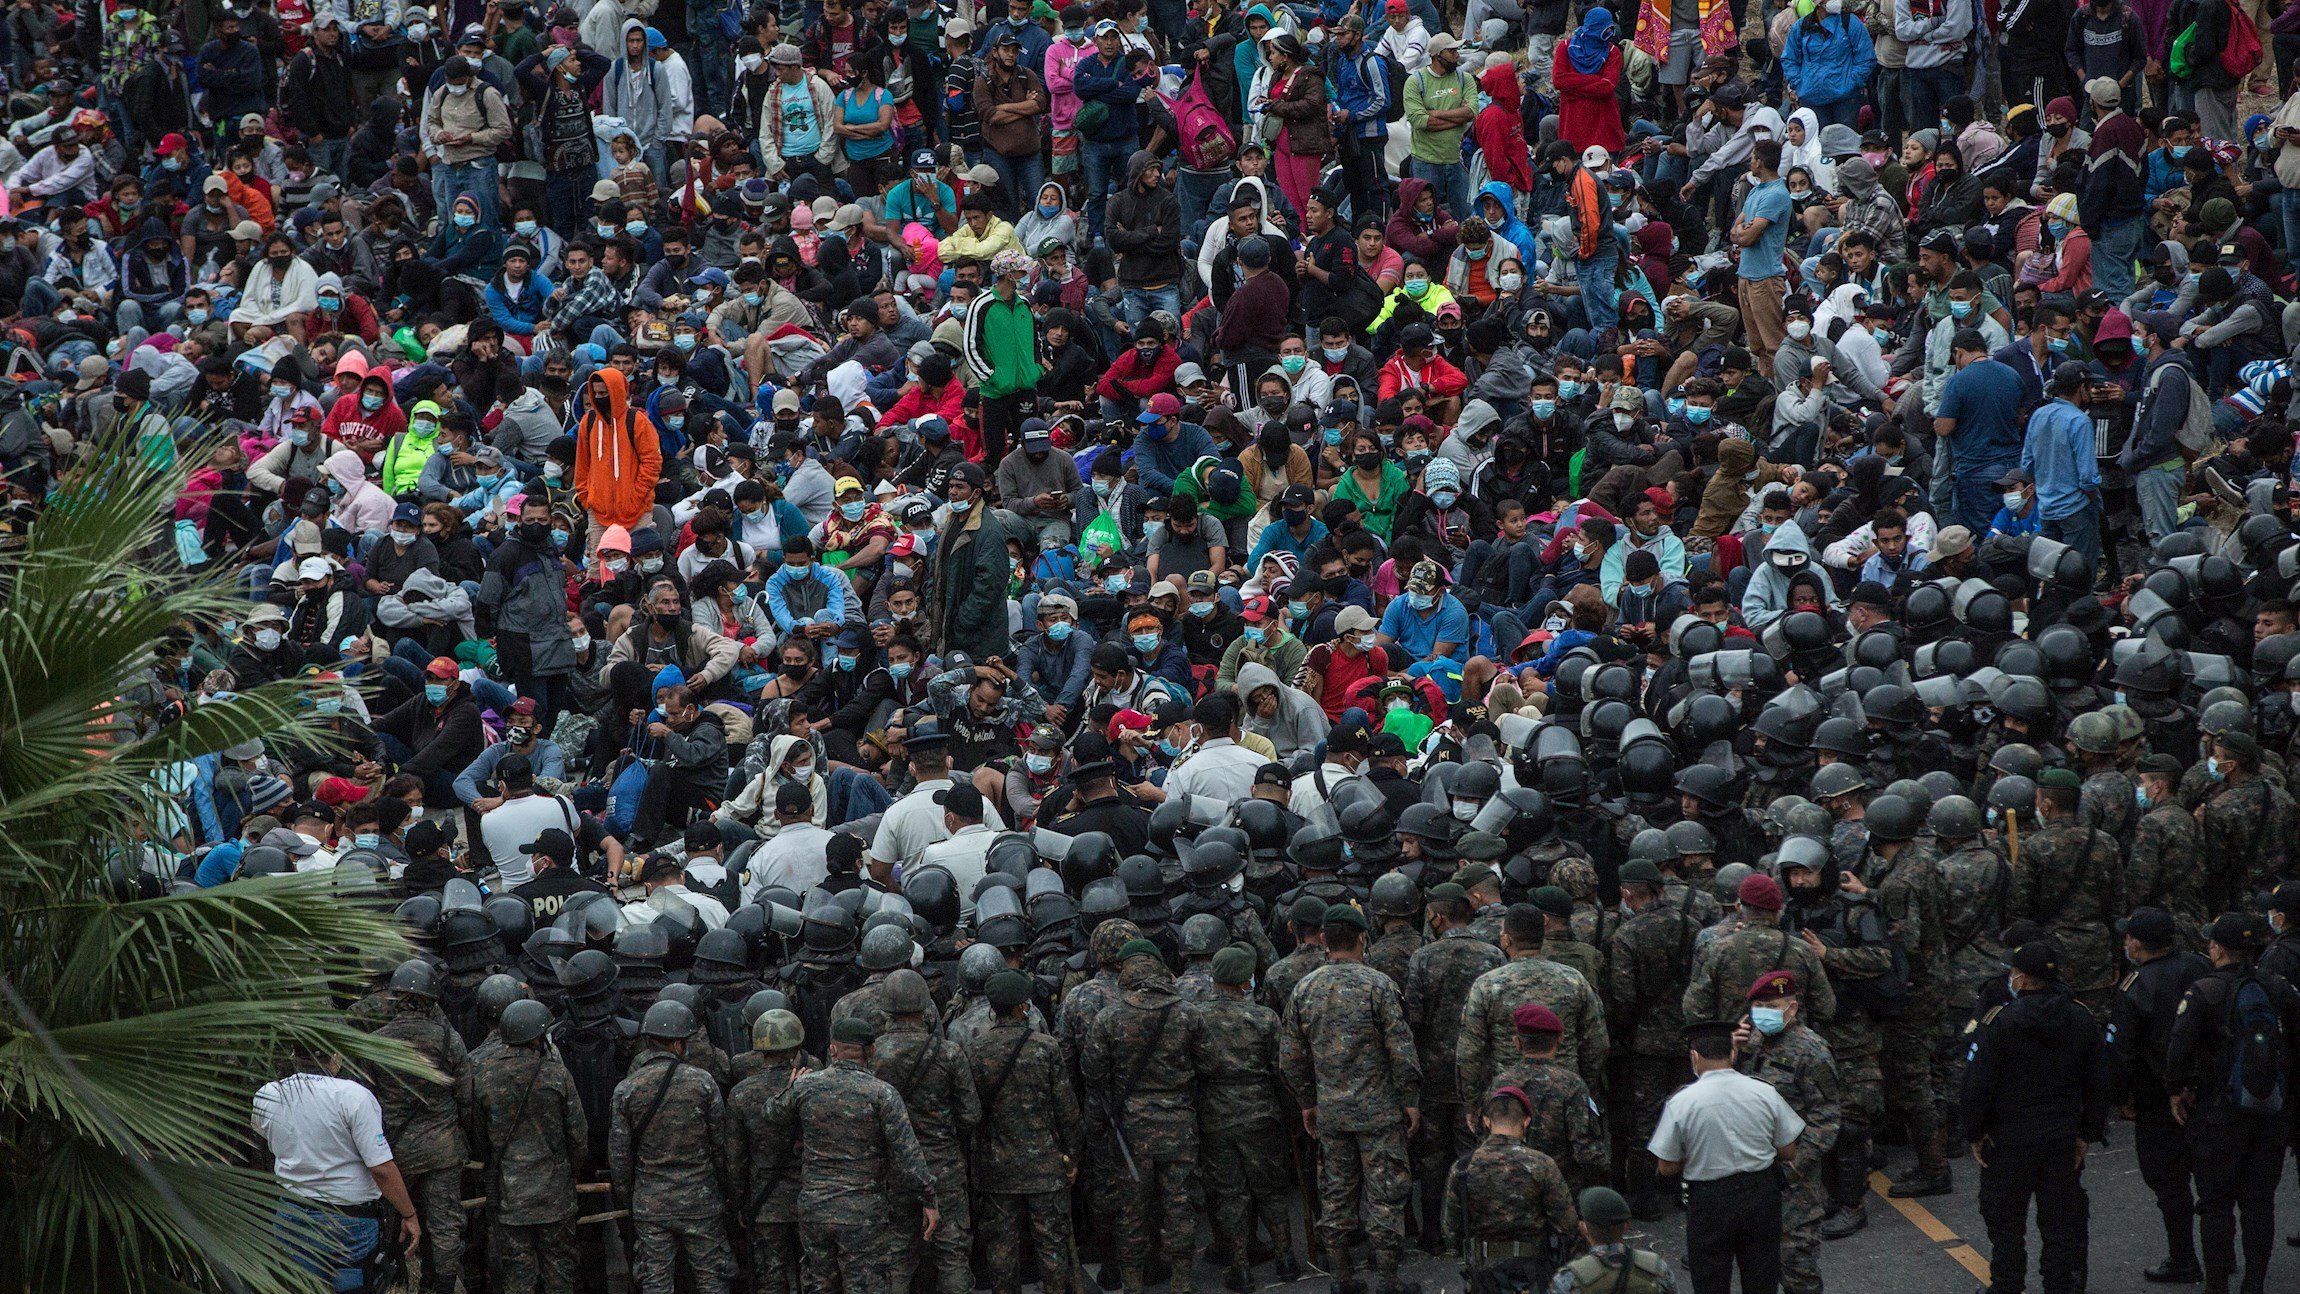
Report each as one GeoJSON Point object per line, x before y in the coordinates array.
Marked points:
{"type": "Point", "coordinates": [950, 406]}
{"type": "Point", "coordinates": [1128, 380]}
{"type": "Point", "coordinates": [1587, 112]}
{"type": "Point", "coordinates": [1438, 377]}
{"type": "Point", "coordinates": [1500, 128]}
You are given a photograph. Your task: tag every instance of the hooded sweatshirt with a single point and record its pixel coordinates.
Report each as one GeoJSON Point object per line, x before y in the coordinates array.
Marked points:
{"type": "Point", "coordinates": [1299, 725]}
{"type": "Point", "coordinates": [1731, 487]}
{"type": "Point", "coordinates": [1500, 128]}
{"type": "Point", "coordinates": [1768, 595]}
{"type": "Point", "coordinates": [404, 458]}
{"type": "Point", "coordinates": [362, 507]}
{"type": "Point", "coordinates": [618, 458]}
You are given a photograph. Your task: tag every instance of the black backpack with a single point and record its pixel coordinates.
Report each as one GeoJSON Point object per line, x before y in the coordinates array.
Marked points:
{"type": "Point", "coordinates": [2256, 1048]}
{"type": "Point", "coordinates": [1393, 76]}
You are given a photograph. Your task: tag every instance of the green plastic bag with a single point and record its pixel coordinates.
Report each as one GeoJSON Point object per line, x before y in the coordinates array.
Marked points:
{"type": "Point", "coordinates": [1101, 539]}
{"type": "Point", "coordinates": [1573, 471]}
{"type": "Point", "coordinates": [2183, 61]}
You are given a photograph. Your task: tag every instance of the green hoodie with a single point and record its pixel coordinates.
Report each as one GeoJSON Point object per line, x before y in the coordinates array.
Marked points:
{"type": "Point", "coordinates": [1001, 344]}
{"type": "Point", "coordinates": [404, 458]}
{"type": "Point", "coordinates": [1194, 484]}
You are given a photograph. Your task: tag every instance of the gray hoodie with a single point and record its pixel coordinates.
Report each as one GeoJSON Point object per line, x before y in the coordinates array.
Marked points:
{"type": "Point", "coordinates": [1768, 594]}
{"type": "Point", "coordinates": [1300, 722]}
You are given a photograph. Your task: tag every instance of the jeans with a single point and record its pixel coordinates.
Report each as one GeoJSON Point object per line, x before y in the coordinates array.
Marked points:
{"type": "Point", "coordinates": [1845, 111]}
{"type": "Point", "coordinates": [566, 196]}
{"type": "Point", "coordinates": [329, 156]}
{"type": "Point", "coordinates": [1137, 304]}
{"type": "Point", "coordinates": [150, 318]}
{"type": "Point", "coordinates": [2158, 489]}
{"type": "Point", "coordinates": [1194, 192]}
{"type": "Point", "coordinates": [1925, 89]}
{"type": "Point", "coordinates": [1597, 290]}
{"type": "Point", "coordinates": [2119, 240]}
{"type": "Point", "coordinates": [1022, 177]}
{"type": "Point", "coordinates": [1977, 494]}
{"type": "Point", "coordinates": [1104, 164]}
{"type": "Point", "coordinates": [2288, 211]}
{"type": "Point", "coordinates": [475, 178]}
{"type": "Point", "coordinates": [1889, 100]}
{"type": "Point", "coordinates": [328, 1243]}
{"type": "Point", "coordinates": [1451, 183]}
{"type": "Point", "coordinates": [2080, 531]}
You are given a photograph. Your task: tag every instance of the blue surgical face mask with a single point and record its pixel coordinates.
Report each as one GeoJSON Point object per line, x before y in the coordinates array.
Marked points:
{"type": "Point", "coordinates": [1059, 631]}
{"type": "Point", "coordinates": [1255, 634]}
{"type": "Point", "coordinates": [2213, 770]}
{"type": "Point", "coordinates": [1676, 405]}
{"type": "Point", "coordinates": [2178, 151]}
{"type": "Point", "coordinates": [280, 392]}
{"type": "Point", "coordinates": [854, 511]}
{"type": "Point", "coordinates": [1960, 309]}
{"type": "Point", "coordinates": [1202, 609]}
{"type": "Point", "coordinates": [1298, 610]}
{"type": "Point", "coordinates": [846, 664]}
{"type": "Point", "coordinates": [684, 341]}
{"type": "Point", "coordinates": [1884, 336]}
{"type": "Point", "coordinates": [1169, 749]}
{"type": "Point", "coordinates": [559, 538]}
{"type": "Point", "coordinates": [1697, 414]}
{"type": "Point", "coordinates": [752, 298]}
{"type": "Point", "coordinates": [1040, 764]}
{"type": "Point", "coordinates": [465, 220]}
{"type": "Point", "coordinates": [635, 228]}
{"type": "Point", "coordinates": [899, 669]}
{"type": "Point", "coordinates": [1048, 210]}
{"type": "Point", "coordinates": [366, 840]}
{"type": "Point", "coordinates": [1422, 601]}
{"type": "Point", "coordinates": [1768, 1020]}
{"type": "Point", "coordinates": [1568, 389]}
{"type": "Point", "coordinates": [1115, 583]}
{"type": "Point", "coordinates": [1545, 409]}
{"type": "Point", "coordinates": [2140, 797]}
{"type": "Point", "coordinates": [1333, 435]}
{"type": "Point", "coordinates": [371, 403]}
{"type": "Point", "coordinates": [2057, 345]}
{"type": "Point", "coordinates": [1335, 353]}
{"type": "Point", "coordinates": [1147, 644]}
{"type": "Point", "coordinates": [436, 693]}
{"type": "Point", "coordinates": [525, 228]}
{"type": "Point", "coordinates": [196, 316]}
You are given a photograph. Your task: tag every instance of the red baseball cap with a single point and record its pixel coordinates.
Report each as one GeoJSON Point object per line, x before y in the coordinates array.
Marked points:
{"type": "Point", "coordinates": [172, 143]}
{"type": "Point", "coordinates": [441, 667]}
{"type": "Point", "coordinates": [1256, 608]}
{"type": "Point", "coordinates": [1165, 404]}
{"type": "Point", "coordinates": [338, 791]}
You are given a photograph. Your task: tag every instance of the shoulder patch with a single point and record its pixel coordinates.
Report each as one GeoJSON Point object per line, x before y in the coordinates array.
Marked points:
{"type": "Point", "coordinates": [1991, 1016]}
{"type": "Point", "coordinates": [2129, 981]}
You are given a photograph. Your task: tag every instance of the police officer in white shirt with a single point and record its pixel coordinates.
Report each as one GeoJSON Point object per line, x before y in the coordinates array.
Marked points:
{"type": "Point", "coordinates": [969, 844]}
{"type": "Point", "coordinates": [1724, 1133]}
{"type": "Point", "coordinates": [1347, 744]}
{"type": "Point", "coordinates": [336, 1168]}
{"type": "Point", "coordinates": [796, 857]}
{"type": "Point", "coordinates": [1219, 767]}
{"type": "Point", "coordinates": [666, 875]}
{"type": "Point", "coordinates": [916, 820]}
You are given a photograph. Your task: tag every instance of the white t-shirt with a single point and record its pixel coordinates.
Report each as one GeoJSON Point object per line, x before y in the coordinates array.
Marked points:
{"type": "Point", "coordinates": [518, 822]}
{"type": "Point", "coordinates": [797, 857]}
{"type": "Point", "coordinates": [915, 821]}
{"type": "Point", "coordinates": [325, 1134]}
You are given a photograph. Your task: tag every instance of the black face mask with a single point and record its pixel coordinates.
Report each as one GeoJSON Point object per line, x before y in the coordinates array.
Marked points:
{"type": "Point", "coordinates": [1296, 516]}
{"type": "Point", "coordinates": [533, 533]}
{"type": "Point", "coordinates": [2165, 275]}
{"type": "Point", "coordinates": [796, 672]}
{"type": "Point", "coordinates": [1369, 461]}
{"type": "Point", "coordinates": [2057, 129]}
{"type": "Point", "coordinates": [1273, 405]}
{"type": "Point", "coordinates": [280, 263]}
{"type": "Point", "coordinates": [669, 620]}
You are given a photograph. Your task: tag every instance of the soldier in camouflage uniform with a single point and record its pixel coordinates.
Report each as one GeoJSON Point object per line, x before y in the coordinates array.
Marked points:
{"type": "Point", "coordinates": [1140, 1061]}
{"type": "Point", "coordinates": [1395, 902]}
{"type": "Point", "coordinates": [857, 1152]}
{"type": "Point", "coordinates": [936, 1084]}
{"type": "Point", "coordinates": [1242, 1115]}
{"type": "Point", "coordinates": [1589, 925]}
{"type": "Point", "coordinates": [1309, 953]}
{"type": "Point", "coordinates": [1867, 966]}
{"type": "Point", "coordinates": [762, 1153]}
{"type": "Point", "coordinates": [1507, 1210]}
{"type": "Point", "coordinates": [1480, 850]}
{"type": "Point", "coordinates": [863, 1000]}
{"type": "Point", "coordinates": [1901, 873]}
{"type": "Point", "coordinates": [1647, 969]}
{"type": "Point", "coordinates": [702, 1053]}
{"type": "Point", "coordinates": [1079, 1006]}
{"type": "Point", "coordinates": [2248, 826]}
{"type": "Point", "coordinates": [1774, 1044]}
{"type": "Point", "coordinates": [424, 1121]}
{"type": "Point", "coordinates": [493, 997]}
{"type": "Point", "coordinates": [665, 1156]}
{"type": "Point", "coordinates": [1976, 893]}
{"type": "Point", "coordinates": [1203, 935]}
{"type": "Point", "coordinates": [1488, 1014]}
{"type": "Point", "coordinates": [1028, 1144]}
{"type": "Point", "coordinates": [1347, 1053]}
{"type": "Point", "coordinates": [2167, 866]}
{"type": "Point", "coordinates": [527, 1125]}
{"type": "Point", "coordinates": [1438, 980]}
{"type": "Point", "coordinates": [2104, 800]}
{"type": "Point", "coordinates": [1558, 943]}
{"type": "Point", "coordinates": [1724, 968]}
{"type": "Point", "coordinates": [2071, 881]}
{"type": "Point", "coordinates": [1566, 1124]}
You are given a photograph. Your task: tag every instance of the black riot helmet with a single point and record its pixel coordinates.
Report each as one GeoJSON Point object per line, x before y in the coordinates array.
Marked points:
{"type": "Point", "coordinates": [1092, 856]}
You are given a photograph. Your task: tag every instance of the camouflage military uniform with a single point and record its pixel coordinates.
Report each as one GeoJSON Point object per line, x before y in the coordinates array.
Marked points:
{"type": "Point", "coordinates": [1347, 1053]}
{"type": "Point", "coordinates": [970, 1021]}
{"type": "Point", "coordinates": [2071, 881]}
{"type": "Point", "coordinates": [1911, 895]}
{"type": "Point", "coordinates": [756, 1062]}
{"type": "Point", "coordinates": [665, 1156]}
{"type": "Point", "coordinates": [705, 1056]}
{"type": "Point", "coordinates": [936, 1084]}
{"type": "Point", "coordinates": [1488, 1033]}
{"type": "Point", "coordinates": [2247, 843]}
{"type": "Point", "coordinates": [1646, 973]}
{"type": "Point", "coordinates": [1485, 923]}
{"type": "Point", "coordinates": [528, 1126]}
{"type": "Point", "coordinates": [1508, 1213]}
{"type": "Point", "coordinates": [1140, 1063]}
{"type": "Point", "coordinates": [1438, 980]}
{"type": "Point", "coordinates": [2105, 803]}
{"type": "Point", "coordinates": [424, 1123]}
{"type": "Point", "coordinates": [1725, 967]}
{"type": "Point", "coordinates": [1797, 1063]}
{"type": "Point", "coordinates": [2167, 868]}
{"type": "Point", "coordinates": [856, 1147]}
{"type": "Point", "coordinates": [1576, 954]}
{"type": "Point", "coordinates": [1080, 1005]}
{"type": "Point", "coordinates": [863, 1002]}
{"type": "Point", "coordinates": [763, 1159]}
{"type": "Point", "coordinates": [1849, 842]}
{"type": "Point", "coordinates": [1694, 898]}
{"type": "Point", "coordinates": [1246, 1152]}
{"type": "Point", "coordinates": [1028, 1140]}
{"type": "Point", "coordinates": [1278, 982]}
{"type": "Point", "coordinates": [1196, 982]}
{"type": "Point", "coordinates": [1976, 890]}
{"type": "Point", "coordinates": [1566, 1124]}
{"type": "Point", "coordinates": [1394, 951]}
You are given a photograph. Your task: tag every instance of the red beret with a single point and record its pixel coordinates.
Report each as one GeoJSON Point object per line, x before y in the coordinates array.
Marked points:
{"type": "Point", "coordinates": [1761, 893]}
{"type": "Point", "coordinates": [1773, 984]}
{"type": "Point", "coordinates": [1533, 1017]}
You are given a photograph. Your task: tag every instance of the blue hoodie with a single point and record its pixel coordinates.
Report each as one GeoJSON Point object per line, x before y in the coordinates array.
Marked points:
{"type": "Point", "coordinates": [1510, 229]}
{"type": "Point", "coordinates": [1157, 463]}
{"type": "Point", "coordinates": [1829, 63]}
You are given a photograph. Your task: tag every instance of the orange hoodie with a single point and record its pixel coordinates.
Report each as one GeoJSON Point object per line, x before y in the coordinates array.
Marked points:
{"type": "Point", "coordinates": [618, 458]}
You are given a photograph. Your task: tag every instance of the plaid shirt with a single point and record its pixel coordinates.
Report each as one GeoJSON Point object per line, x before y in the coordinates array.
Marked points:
{"type": "Point", "coordinates": [592, 295]}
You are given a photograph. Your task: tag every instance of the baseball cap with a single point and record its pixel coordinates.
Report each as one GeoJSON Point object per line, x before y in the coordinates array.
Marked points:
{"type": "Point", "coordinates": [551, 843]}
{"type": "Point", "coordinates": [441, 667]}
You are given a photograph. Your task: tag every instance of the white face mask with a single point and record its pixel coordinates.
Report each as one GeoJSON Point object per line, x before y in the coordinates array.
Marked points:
{"type": "Point", "coordinates": [1464, 810]}
{"type": "Point", "coordinates": [267, 639]}
{"type": "Point", "coordinates": [1624, 421]}
{"type": "Point", "coordinates": [1800, 330]}
{"type": "Point", "coordinates": [582, 642]}
{"type": "Point", "coordinates": [2012, 500]}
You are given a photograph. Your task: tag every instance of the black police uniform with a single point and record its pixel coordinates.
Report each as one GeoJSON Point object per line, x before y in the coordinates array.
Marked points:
{"type": "Point", "coordinates": [2035, 1085]}
{"type": "Point", "coordinates": [2237, 1154]}
{"type": "Point", "coordinates": [2139, 1030]}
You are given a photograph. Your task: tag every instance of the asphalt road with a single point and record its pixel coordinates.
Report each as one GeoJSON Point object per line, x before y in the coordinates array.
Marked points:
{"type": "Point", "coordinates": [1938, 1245]}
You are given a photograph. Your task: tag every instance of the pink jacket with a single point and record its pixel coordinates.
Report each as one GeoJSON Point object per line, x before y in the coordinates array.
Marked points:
{"type": "Point", "coordinates": [1061, 74]}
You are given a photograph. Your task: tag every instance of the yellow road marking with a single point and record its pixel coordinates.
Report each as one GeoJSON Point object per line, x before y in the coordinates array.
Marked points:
{"type": "Point", "coordinates": [1931, 1228]}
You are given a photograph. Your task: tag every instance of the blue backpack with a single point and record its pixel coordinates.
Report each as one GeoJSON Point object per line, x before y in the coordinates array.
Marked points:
{"type": "Point", "coordinates": [2256, 1049]}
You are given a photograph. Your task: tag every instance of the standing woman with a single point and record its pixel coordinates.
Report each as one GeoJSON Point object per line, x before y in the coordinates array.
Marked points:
{"type": "Point", "coordinates": [1587, 78]}
{"type": "Point", "coordinates": [1298, 99]}
{"type": "Point", "coordinates": [864, 123]}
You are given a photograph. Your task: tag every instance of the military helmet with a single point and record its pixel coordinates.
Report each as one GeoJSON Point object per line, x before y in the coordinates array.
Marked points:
{"type": "Point", "coordinates": [1777, 814]}
{"type": "Point", "coordinates": [2014, 793]}
{"type": "Point", "coordinates": [1955, 817]}
{"type": "Point", "coordinates": [1892, 818]}
{"type": "Point", "coordinates": [646, 942]}
{"type": "Point", "coordinates": [1808, 852]}
{"type": "Point", "coordinates": [1203, 935]}
{"type": "Point", "coordinates": [417, 978]}
{"type": "Point", "coordinates": [497, 992]}
{"type": "Point", "coordinates": [1210, 861]}
{"type": "Point", "coordinates": [1092, 855]}
{"type": "Point", "coordinates": [1394, 894]}
{"type": "Point", "coordinates": [777, 1030]}
{"type": "Point", "coordinates": [1265, 826]}
{"type": "Point", "coordinates": [1834, 780]}
{"type": "Point", "coordinates": [667, 1018]}
{"type": "Point", "coordinates": [1011, 854]}
{"type": "Point", "coordinates": [933, 894]}
{"type": "Point", "coordinates": [1142, 879]}
{"type": "Point", "coordinates": [589, 972]}
{"type": "Point", "coordinates": [2219, 718]}
{"type": "Point", "coordinates": [977, 964]}
{"type": "Point", "coordinates": [1807, 819]}
{"type": "Point", "coordinates": [524, 1021]}
{"type": "Point", "coordinates": [420, 912]}
{"type": "Point", "coordinates": [761, 1002]}
{"type": "Point", "coordinates": [1477, 780]}
{"type": "Point", "coordinates": [2093, 732]}
{"type": "Point", "coordinates": [1710, 718]}
{"type": "Point", "coordinates": [271, 860]}
{"type": "Point", "coordinates": [1915, 793]}
{"type": "Point", "coordinates": [1109, 937]}
{"type": "Point", "coordinates": [723, 947]}
{"type": "Point", "coordinates": [1652, 846]}
{"type": "Point", "coordinates": [1169, 825]}
{"type": "Point", "coordinates": [687, 995]}
{"type": "Point", "coordinates": [1707, 783]}
{"type": "Point", "coordinates": [1841, 736]}
{"type": "Point", "coordinates": [2129, 725]}
{"type": "Point", "coordinates": [1689, 837]}
{"type": "Point", "coordinates": [1103, 898]}
{"type": "Point", "coordinates": [2025, 699]}
{"type": "Point", "coordinates": [1575, 876]}
{"type": "Point", "coordinates": [905, 993]}
{"type": "Point", "coordinates": [1426, 822]}
{"type": "Point", "coordinates": [513, 918]}
{"type": "Point", "coordinates": [2016, 759]}
{"type": "Point", "coordinates": [828, 928]}
{"type": "Point", "coordinates": [1940, 784]}
{"type": "Point", "coordinates": [1725, 886]}
{"type": "Point", "coordinates": [885, 948]}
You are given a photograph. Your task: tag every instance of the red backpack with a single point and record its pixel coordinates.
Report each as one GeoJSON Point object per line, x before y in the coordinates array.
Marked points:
{"type": "Point", "coordinates": [1208, 143]}
{"type": "Point", "coordinates": [2242, 52]}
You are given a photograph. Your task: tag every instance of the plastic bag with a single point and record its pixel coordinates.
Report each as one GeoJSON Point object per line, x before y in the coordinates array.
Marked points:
{"type": "Point", "coordinates": [1102, 537]}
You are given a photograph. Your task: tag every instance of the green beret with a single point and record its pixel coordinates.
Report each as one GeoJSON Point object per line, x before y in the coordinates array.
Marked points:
{"type": "Point", "coordinates": [2241, 745]}
{"type": "Point", "coordinates": [1233, 965]}
{"type": "Point", "coordinates": [1345, 916]}
{"type": "Point", "coordinates": [1603, 1206]}
{"type": "Point", "coordinates": [1308, 910]}
{"type": "Point", "coordinates": [1479, 847]}
{"type": "Point", "coordinates": [1553, 900]}
{"type": "Point", "coordinates": [1139, 948]}
{"type": "Point", "coordinates": [1007, 989]}
{"type": "Point", "coordinates": [855, 1029]}
{"type": "Point", "coordinates": [2062, 778]}
{"type": "Point", "coordinates": [1445, 892]}
{"type": "Point", "coordinates": [1641, 871]}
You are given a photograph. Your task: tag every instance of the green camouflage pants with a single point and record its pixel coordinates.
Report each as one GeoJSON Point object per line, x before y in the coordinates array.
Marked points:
{"type": "Point", "coordinates": [1803, 1206]}
{"type": "Point", "coordinates": [1047, 1214]}
{"type": "Point", "coordinates": [948, 1257]}
{"type": "Point", "coordinates": [661, 1242]}
{"type": "Point", "coordinates": [1247, 1172]}
{"type": "Point", "coordinates": [1371, 1164]}
{"type": "Point", "coordinates": [531, 1260]}
{"type": "Point", "coordinates": [1154, 1210]}
{"type": "Point", "coordinates": [837, 1259]}
{"type": "Point", "coordinates": [774, 1256]}
{"type": "Point", "coordinates": [1905, 1066]}
{"type": "Point", "coordinates": [438, 1198]}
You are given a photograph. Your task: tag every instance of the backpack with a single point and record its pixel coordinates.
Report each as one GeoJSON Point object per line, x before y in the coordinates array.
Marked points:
{"type": "Point", "coordinates": [2195, 436]}
{"type": "Point", "coordinates": [1394, 77]}
{"type": "Point", "coordinates": [1642, 1274]}
{"type": "Point", "coordinates": [2256, 1055]}
{"type": "Point", "coordinates": [1207, 142]}
{"type": "Point", "coordinates": [2241, 52]}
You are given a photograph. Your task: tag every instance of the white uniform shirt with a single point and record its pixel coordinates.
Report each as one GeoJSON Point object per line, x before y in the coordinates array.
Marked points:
{"type": "Point", "coordinates": [325, 1134]}
{"type": "Point", "coordinates": [1724, 1123]}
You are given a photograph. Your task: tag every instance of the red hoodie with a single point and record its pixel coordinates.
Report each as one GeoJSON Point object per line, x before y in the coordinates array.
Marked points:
{"type": "Point", "coordinates": [1129, 380]}
{"type": "Point", "coordinates": [1500, 129]}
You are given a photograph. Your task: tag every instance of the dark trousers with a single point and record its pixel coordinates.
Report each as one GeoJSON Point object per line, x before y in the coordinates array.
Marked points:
{"type": "Point", "coordinates": [2237, 1163]}
{"type": "Point", "coordinates": [2045, 1171]}
{"type": "Point", "coordinates": [1734, 1222]}
{"type": "Point", "coordinates": [1002, 423]}
{"type": "Point", "coordinates": [2162, 1147]}
{"type": "Point", "coordinates": [670, 802]}
{"type": "Point", "coordinates": [1365, 178]}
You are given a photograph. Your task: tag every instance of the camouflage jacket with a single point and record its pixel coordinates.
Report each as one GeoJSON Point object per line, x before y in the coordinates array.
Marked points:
{"type": "Point", "coordinates": [762, 1142]}
{"type": "Point", "coordinates": [1345, 1050]}
{"type": "Point", "coordinates": [1566, 1125]}
{"type": "Point", "coordinates": [2247, 841]}
{"type": "Point", "coordinates": [1505, 1191]}
{"type": "Point", "coordinates": [1238, 1077]}
{"type": "Point", "coordinates": [1909, 891]}
{"type": "Point", "coordinates": [2071, 880]}
{"type": "Point", "coordinates": [2167, 868]}
{"type": "Point", "coordinates": [1489, 1034]}
{"type": "Point", "coordinates": [1079, 1006]}
{"type": "Point", "coordinates": [1278, 982]}
{"type": "Point", "coordinates": [1976, 887]}
{"type": "Point", "coordinates": [665, 1147]}
{"type": "Point", "coordinates": [527, 1125]}
{"type": "Point", "coordinates": [1438, 980]}
{"type": "Point", "coordinates": [1394, 951]}
{"type": "Point", "coordinates": [855, 1147]}
{"type": "Point", "coordinates": [421, 1115]}
{"type": "Point", "coordinates": [1724, 968]}
{"type": "Point", "coordinates": [2105, 803]}
{"type": "Point", "coordinates": [1798, 1065]}
{"type": "Point", "coordinates": [1141, 1060]}
{"type": "Point", "coordinates": [1030, 1131]}
{"type": "Point", "coordinates": [1647, 969]}
{"type": "Point", "coordinates": [936, 1084]}
{"type": "Point", "coordinates": [863, 1002]}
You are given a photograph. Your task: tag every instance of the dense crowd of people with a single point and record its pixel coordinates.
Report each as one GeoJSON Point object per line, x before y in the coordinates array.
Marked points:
{"type": "Point", "coordinates": [1062, 620]}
